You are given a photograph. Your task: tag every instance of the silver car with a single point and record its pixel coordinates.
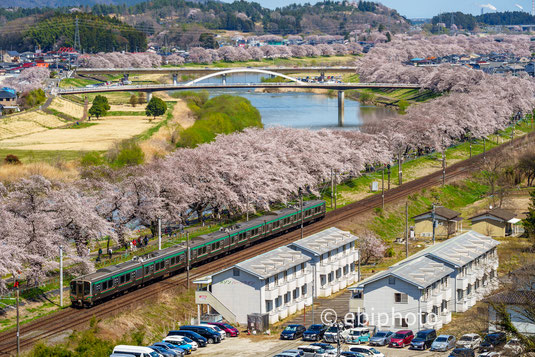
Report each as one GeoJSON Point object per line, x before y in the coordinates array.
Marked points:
{"type": "Point", "coordinates": [443, 343]}
{"type": "Point", "coordinates": [470, 340]}
{"type": "Point", "coordinates": [381, 338]}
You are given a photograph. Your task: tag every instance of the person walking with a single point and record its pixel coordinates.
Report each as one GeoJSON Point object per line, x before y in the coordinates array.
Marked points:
{"type": "Point", "coordinates": [110, 252]}
{"type": "Point", "coordinates": [146, 240]}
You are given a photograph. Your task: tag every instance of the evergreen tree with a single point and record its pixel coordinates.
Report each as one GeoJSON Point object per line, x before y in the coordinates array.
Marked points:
{"type": "Point", "coordinates": [100, 106]}
{"type": "Point", "coordinates": [529, 221]}
{"type": "Point", "coordinates": [156, 107]}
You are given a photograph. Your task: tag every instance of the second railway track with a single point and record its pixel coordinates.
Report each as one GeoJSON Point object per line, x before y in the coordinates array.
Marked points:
{"type": "Point", "coordinates": [70, 319]}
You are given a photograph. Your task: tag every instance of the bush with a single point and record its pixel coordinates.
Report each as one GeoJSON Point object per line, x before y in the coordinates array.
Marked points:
{"type": "Point", "coordinates": [12, 160]}
{"type": "Point", "coordinates": [366, 97]}
{"type": "Point", "coordinates": [197, 98]}
{"type": "Point", "coordinates": [92, 158]}
{"type": "Point", "coordinates": [403, 105]}
{"type": "Point", "coordinates": [33, 98]}
{"type": "Point", "coordinates": [390, 252]}
{"type": "Point", "coordinates": [42, 350]}
{"type": "Point", "coordinates": [126, 153]}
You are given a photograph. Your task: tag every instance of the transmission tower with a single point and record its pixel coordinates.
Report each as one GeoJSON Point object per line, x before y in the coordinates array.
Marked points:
{"type": "Point", "coordinates": [77, 45]}
{"type": "Point", "coordinates": [532, 7]}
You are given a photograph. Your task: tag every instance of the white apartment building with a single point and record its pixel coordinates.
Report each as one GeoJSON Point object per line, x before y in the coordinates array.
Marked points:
{"type": "Point", "coordinates": [449, 276]}
{"type": "Point", "coordinates": [413, 296]}
{"type": "Point", "coordinates": [277, 283]}
{"type": "Point", "coordinates": [333, 259]}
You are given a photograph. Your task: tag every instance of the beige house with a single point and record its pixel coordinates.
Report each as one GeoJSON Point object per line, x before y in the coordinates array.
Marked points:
{"type": "Point", "coordinates": [448, 222]}
{"type": "Point", "coordinates": [496, 222]}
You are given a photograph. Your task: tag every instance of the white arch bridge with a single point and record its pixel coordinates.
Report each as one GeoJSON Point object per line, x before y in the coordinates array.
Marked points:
{"type": "Point", "coordinates": [197, 84]}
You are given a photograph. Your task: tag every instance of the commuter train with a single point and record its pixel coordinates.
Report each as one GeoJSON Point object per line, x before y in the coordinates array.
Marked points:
{"type": "Point", "coordinates": [113, 280]}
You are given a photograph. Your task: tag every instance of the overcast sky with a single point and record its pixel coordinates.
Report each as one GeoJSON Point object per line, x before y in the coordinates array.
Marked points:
{"type": "Point", "coordinates": [428, 8]}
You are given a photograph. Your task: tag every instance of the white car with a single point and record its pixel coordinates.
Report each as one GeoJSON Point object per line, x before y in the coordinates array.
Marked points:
{"type": "Point", "coordinates": [136, 351]}
{"type": "Point", "coordinates": [366, 351]}
{"type": "Point", "coordinates": [490, 354]}
{"type": "Point", "coordinates": [331, 335]}
{"type": "Point", "coordinates": [175, 339]}
{"type": "Point", "coordinates": [222, 333]}
{"type": "Point", "coordinates": [470, 340]}
{"type": "Point", "coordinates": [513, 348]}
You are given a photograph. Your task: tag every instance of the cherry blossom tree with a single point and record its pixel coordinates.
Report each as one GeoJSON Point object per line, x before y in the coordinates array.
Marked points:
{"type": "Point", "coordinates": [370, 247]}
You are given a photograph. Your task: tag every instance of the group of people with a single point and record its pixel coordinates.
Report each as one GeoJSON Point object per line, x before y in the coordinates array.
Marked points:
{"type": "Point", "coordinates": [134, 244]}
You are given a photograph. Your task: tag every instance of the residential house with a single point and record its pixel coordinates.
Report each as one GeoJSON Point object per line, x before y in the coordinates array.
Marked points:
{"type": "Point", "coordinates": [11, 56]}
{"type": "Point", "coordinates": [447, 223]}
{"type": "Point", "coordinates": [277, 283]}
{"type": "Point", "coordinates": [8, 100]}
{"type": "Point", "coordinates": [454, 275]}
{"type": "Point", "coordinates": [415, 296]}
{"type": "Point", "coordinates": [496, 222]}
{"type": "Point", "coordinates": [333, 259]}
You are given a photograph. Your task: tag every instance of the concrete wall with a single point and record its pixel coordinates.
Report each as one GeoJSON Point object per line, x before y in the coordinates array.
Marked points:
{"type": "Point", "coordinates": [240, 294]}
{"type": "Point", "coordinates": [489, 227]}
{"type": "Point", "coordinates": [426, 226]}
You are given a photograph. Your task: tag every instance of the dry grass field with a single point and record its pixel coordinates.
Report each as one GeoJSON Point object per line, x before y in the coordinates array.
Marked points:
{"type": "Point", "coordinates": [27, 123]}
{"type": "Point", "coordinates": [97, 137]}
{"type": "Point", "coordinates": [67, 107]}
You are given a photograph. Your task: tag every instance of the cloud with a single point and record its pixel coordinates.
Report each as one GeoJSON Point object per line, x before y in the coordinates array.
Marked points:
{"type": "Point", "coordinates": [489, 6]}
{"type": "Point", "coordinates": [519, 6]}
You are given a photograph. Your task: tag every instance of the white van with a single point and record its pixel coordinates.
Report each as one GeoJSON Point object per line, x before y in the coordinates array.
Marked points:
{"type": "Point", "coordinates": [222, 333]}
{"type": "Point", "coordinates": [137, 351]}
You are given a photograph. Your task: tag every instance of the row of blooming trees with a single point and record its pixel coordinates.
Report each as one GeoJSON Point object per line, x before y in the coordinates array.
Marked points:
{"type": "Point", "coordinates": [29, 79]}
{"type": "Point", "coordinates": [207, 56]}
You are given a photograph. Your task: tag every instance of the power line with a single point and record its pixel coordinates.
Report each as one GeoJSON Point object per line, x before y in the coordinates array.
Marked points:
{"type": "Point", "coordinates": [77, 45]}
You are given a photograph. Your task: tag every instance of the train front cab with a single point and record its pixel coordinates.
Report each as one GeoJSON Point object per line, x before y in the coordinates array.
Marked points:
{"type": "Point", "coordinates": [81, 293]}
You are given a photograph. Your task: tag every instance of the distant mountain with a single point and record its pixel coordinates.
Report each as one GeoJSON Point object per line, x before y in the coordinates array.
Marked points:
{"type": "Point", "coordinates": [63, 3]}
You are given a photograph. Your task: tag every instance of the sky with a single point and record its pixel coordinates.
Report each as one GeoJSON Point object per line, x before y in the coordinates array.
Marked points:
{"type": "Point", "coordinates": [428, 8]}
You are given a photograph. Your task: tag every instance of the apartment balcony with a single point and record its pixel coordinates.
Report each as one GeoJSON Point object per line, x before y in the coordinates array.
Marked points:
{"type": "Point", "coordinates": [324, 268]}
{"type": "Point", "coordinates": [272, 294]}
{"type": "Point", "coordinates": [437, 297]}
{"type": "Point", "coordinates": [292, 309]}
{"type": "Point", "coordinates": [462, 305]}
{"type": "Point", "coordinates": [309, 278]}
{"type": "Point", "coordinates": [335, 287]}
{"type": "Point", "coordinates": [292, 284]}
{"type": "Point", "coordinates": [283, 289]}
{"type": "Point", "coordinates": [283, 313]}
{"type": "Point", "coordinates": [301, 280]}
{"type": "Point", "coordinates": [426, 305]}
{"type": "Point", "coordinates": [447, 294]}
{"type": "Point", "coordinates": [462, 283]}
{"type": "Point", "coordinates": [446, 318]}
{"type": "Point", "coordinates": [325, 290]}
{"type": "Point", "coordinates": [343, 282]}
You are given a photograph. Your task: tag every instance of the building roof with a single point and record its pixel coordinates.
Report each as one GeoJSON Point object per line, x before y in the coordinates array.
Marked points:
{"type": "Point", "coordinates": [273, 262]}
{"type": "Point", "coordinates": [421, 272]}
{"type": "Point", "coordinates": [6, 93]}
{"type": "Point", "coordinates": [500, 213]}
{"type": "Point", "coordinates": [324, 241]}
{"type": "Point", "coordinates": [443, 212]}
{"type": "Point", "coordinates": [458, 250]}
{"type": "Point", "coordinates": [12, 53]}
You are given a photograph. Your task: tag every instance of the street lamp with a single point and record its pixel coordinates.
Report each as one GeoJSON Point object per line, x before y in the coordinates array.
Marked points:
{"type": "Point", "coordinates": [301, 208]}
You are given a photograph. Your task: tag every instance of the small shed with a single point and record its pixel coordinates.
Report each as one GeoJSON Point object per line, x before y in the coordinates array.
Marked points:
{"type": "Point", "coordinates": [496, 222]}
{"type": "Point", "coordinates": [448, 222]}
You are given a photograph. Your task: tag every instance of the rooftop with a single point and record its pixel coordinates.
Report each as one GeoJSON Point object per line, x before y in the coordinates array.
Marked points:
{"type": "Point", "coordinates": [443, 212]}
{"type": "Point", "coordinates": [498, 213]}
{"type": "Point", "coordinates": [422, 272]}
{"type": "Point", "coordinates": [325, 241]}
{"type": "Point", "coordinates": [458, 250]}
{"type": "Point", "coordinates": [273, 262]}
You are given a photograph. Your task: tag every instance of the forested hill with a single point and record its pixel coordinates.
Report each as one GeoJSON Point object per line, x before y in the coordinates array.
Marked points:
{"type": "Point", "coordinates": [62, 3]}
{"type": "Point", "coordinates": [469, 22]}
{"type": "Point", "coordinates": [97, 33]}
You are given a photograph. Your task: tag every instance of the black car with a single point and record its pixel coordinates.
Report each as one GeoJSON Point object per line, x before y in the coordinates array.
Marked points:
{"type": "Point", "coordinates": [423, 339]}
{"type": "Point", "coordinates": [210, 335]}
{"type": "Point", "coordinates": [462, 352]}
{"type": "Point", "coordinates": [201, 341]}
{"type": "Point", "coordinates": [493, 341]}
{"type": "Point", "coordinates": [314, 332]}
{"type": "Point", "coordinates": [291, 332]}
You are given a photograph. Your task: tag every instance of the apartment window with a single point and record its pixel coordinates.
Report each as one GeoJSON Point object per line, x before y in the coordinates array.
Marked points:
{"type": "Point", "coordinates": [338, 273]}
{"type": "Point", "coordinates": [400, 298]}
{"type": "Point", "coordinates": [235, 272]}
{"type": "Point", "coordinates": [287, 297]}
{"type": "Point", "coordinates": [285, 276]}
{"type": "Point", "coordinates": [304, 290]}
{"type": "Point", "coordinates": [391, 280]}
{"type": "Point", "coordinates": [356, 294]}
{"type": "Point", "coordinates": [296, 293]}
{"type": "Point", "coordinates": [276, 279]}
{"type": "Point", "coordinates": [460, 294]}
{"type": "Point", "coordinates": [269, 305]}
{"type": "Point", "coordinates": [424, 317]}
{"type": "Point", "coordinates": [278, 301]}
{"type": "Point", "coordinates": [401, 322]}
{"type": "Point", "coordinates": [323, 279]}
{"type": "Point", "coordinates": [303, 267]}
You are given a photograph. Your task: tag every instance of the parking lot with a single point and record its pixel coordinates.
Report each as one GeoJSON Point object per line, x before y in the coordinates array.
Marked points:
{"type": "Point", "coordinates": [268, 346]}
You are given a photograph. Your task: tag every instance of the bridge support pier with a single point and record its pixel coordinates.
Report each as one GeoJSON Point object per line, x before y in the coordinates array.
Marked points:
{"type": "Point", "coordinates": [341, 97]}
{"type": "Point", "coordinates": [224, 78]}
{"type": "Point", "coordinates": [175, 79]}
{"type": "Point", "coordinates": [149, 96]}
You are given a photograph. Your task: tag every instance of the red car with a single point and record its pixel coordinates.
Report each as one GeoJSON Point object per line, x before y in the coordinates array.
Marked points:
{"type": "Point", "coordinates": [229, 329]}
{"type": "Point", "coordinates": [401, 339]}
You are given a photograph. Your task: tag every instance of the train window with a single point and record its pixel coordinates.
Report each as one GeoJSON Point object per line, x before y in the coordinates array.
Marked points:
{"type": "Point", "coordinates": [127, 277]}
{"type": "Point", "coordinates": [121, 279]}
{"type": "Point", "coordinates": [146, 270]}
{"type": "Point", "coordinates": [87, 288]}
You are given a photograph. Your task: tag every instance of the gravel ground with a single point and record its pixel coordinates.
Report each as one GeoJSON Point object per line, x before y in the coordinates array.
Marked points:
{"type": "Point", "coordinates": [267, 346]}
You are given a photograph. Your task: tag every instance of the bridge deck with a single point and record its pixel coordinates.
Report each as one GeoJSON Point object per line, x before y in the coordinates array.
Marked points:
{"type": "Point", "coordinates": [209, 70]}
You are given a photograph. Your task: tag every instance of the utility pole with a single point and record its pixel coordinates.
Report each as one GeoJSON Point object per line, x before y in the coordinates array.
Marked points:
{"type": "Point", "coordinates": [18, 317]}
{"type": "Point", "coordinates": [484, 146]}
{"type": "Point", "coordinates": [470, 148]}
{"type": "Point", "coordinates": [332, 188]}
{"type": "Point", "coordinates": [388, 167]}
{"type": "Point", "coordinates": [383, 187]}
{"type": "Point", "coordinates": [313, 289]}
{"type": "Point", "coordinates": [443, 167]}
{"type": "Point", "coordinates": [400, 171]}
{"type": "Point", "coordinates": [187, 258]}
{"type": "Point", "coordinates": [159, 234]}
{"type": "Point", "coordinates": [406, 229]}
{"type": "Point", "coordinates": [433, 222]}
{"type": "Point", "coordinates": [247, 208]}
{"type": "Point", "coordinates": [302, 213]}
{"type": "Point", "coordinates": [60, 276]}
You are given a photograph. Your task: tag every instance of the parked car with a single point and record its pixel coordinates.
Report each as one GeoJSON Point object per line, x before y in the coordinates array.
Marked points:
{"type": "Point", "coordinates": [163, 351]}
{"type": "Point", "coordinates": [513, 348]}
{"type": "Point", "coordinates": [284, 354]}
{"type": "Point", "coordinates": [443, 343]}
{"type": "Point", "coordinates": [136, 351]}
{"type": "Point", "coordinates": [331, 335]}
{"type": "Point", "coordinates": [470, 340]}
{"type": "Point", "coordinates": [311, 351]}
{"type": "Point", "coordinates": [181, 340]}
{"type": "Point", "coordinates": [221, 333]}
{"type": "Point", "coordinates": [493, 341]}
{"type": "Point", "coordinates": [366, 351]}
{"type": "Point", "coordinates": [423, 339]}
{"type": "Point", "coordinates": [462, 352]}
{"type": "Point", "coordinates": [351, 354]}
{"type": "Point", "coordinates": [314, 332]}
{"type": "Point", "coordinates": [358, 335]}
{"type": "Point", "coordinates": [401, 339]}
{"type": "Point", "coordinates": [489, 354]}
{"type": "Point", "coordinates": [181, 351]}
{"type": "Point", "coordinates": [330, 350]}
{"type": "Point", "coordinates": [381, 338]}
{"type": "Point", "coordinates": [210, 335]}
{"type": "Point", "coordinates": [228, 328]}
{"type": "Point", "coordinates": [294, 353]}
{"type": "Point", "coordinates": [201, 341]}
{"type": "Point", "coordinates": [121, 355]}
{"type": "Point", "coordinates": [292, 332]}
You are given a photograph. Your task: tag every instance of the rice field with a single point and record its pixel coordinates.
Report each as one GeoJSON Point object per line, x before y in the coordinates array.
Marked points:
{"type": "Point", "coordinates": [67, 107]}
{"type": "Point", "coordinates": [27, 123]}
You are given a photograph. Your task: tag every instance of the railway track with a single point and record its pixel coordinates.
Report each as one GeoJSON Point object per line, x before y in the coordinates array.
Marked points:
{"type": "Point", "coordinates": [69, 319]}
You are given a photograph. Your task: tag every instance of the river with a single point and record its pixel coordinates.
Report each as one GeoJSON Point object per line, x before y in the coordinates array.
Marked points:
{"type": "Point", "coordinates": [302, 109]}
